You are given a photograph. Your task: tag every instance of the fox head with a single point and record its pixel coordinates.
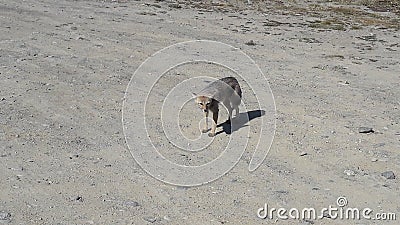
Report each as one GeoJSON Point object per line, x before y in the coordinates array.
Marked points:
{"type": "Point", "coordinates": [203, 102]}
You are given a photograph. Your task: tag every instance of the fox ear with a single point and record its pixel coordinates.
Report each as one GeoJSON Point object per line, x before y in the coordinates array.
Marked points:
{"type": "Point", "coordinates": [194, 95]}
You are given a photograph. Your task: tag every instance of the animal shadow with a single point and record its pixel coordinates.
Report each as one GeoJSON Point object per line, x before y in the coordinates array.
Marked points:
{"type": "Point", "coordinates": [239, 121]}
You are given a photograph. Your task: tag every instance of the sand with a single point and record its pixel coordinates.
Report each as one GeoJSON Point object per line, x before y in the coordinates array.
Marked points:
{"type": "Point", "coordinates": [332, 67]}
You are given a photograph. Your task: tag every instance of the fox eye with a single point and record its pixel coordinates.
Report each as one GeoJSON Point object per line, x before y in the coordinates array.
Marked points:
{"type": "Point", "coordinates": [200, 103]}
{"type": "Point", "coordinates": [208, 103]}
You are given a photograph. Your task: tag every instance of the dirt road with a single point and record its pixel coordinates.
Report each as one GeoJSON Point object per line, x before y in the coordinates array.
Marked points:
{"type": "Point", "coordinates": [334, 71]}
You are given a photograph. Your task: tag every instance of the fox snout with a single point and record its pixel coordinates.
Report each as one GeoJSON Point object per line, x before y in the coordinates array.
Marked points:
{"type": "Point", "coordinates": [203, 108]}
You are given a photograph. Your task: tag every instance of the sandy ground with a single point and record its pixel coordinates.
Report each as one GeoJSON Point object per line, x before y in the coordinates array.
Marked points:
{"type": "Point", "coordinates": [64, 68]}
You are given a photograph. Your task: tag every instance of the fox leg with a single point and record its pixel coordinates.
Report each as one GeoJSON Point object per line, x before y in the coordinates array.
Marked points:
{"type": "Point", "coordinates": [235, 100]}
{"type": "Point", "coordinates": [205, 129]}
{"type": "Point", "coordinates": [227, 104]}
{"type": "Point", "coordinates": [214, 125]}
{"type": "Point", "coordinates": [236, 111]}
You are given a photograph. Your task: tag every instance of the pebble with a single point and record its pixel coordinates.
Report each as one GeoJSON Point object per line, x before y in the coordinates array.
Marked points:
{"type": "Point", "coordinates": [303, 153]}
{"type": "Point", "coordinates": [349, 172]}
{"type": "Point", "coordinates": [132, 203]}
{"type": "Point", "coordinates": [374, 160]}
{"type": "Point", "coordinates": [388, 175]}
{"type": "Point", "coordinates": [76, 198]}
{"type": "Point", "coordinates": [365, 130]}
{"type": "Point", "coordinates": [150, 219]}
{"type": "Point", "coordinates": [166, 218]}
{"type": "Point", "coordinates": [79, 199]}
{"type": "Point", "coordinates": [5, 215]}
{"type": "Point", "coordinates": [156, 5]}
{"type": "Point", "coordinates": [326, 214]}
{"type": "Point", "coordinates": [306, 221]}
{"type": "Point", "coordinates": [175, 5]}
{"type": "Point", "coordinates": [251, 42]}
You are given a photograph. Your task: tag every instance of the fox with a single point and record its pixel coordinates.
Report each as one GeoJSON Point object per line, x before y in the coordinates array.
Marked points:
{"type": "Point", "coordinates": [226, 90]}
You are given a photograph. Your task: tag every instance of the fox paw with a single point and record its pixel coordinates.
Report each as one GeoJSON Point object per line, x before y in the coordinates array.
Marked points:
{"type": "Point", "coordinates": [204, 130]}
{"type": "Point", "coordinates": [211, 134]}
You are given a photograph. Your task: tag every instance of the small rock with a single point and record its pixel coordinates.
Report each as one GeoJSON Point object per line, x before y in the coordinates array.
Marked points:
{"type": "Point", "coordinates": [365, 130]}
{"type": "Point", "coordinates": [132, 203]}
{"type": "Point", "coordinates": [175, 5]}
{"type": "Point", "coordinates": [374, 160]}
{"type": "Point", "coordinates": [156, 5]}
{"type": "Point", "coordinates": [144, 13]}
{"type": "Point", "coordinates": [307, 222]}
{"type": "Point", "coordinates": [370, 37]}
{"type": "Point", "coordinates": [81, 38]}
{"type": "Point", "coordinates": [326, 214]}
{"type": "Point", "coordinates": [166, 218]}
{"type": "Point", "coordinates": [388, 175]}
{"type": "Point", "coordinates": [309, 40]}
{"type": "Point", "coordinates": [77, 198]}
{"type": "Point", "coordinates": [378, 145]}
{"type": "Point", "coordinates": [303, 153]}
{"type": "Point", "coordinates": [251, 42]}
{"type": "Point", "coordinates": [349, 172]}
{"type": "Point", "coordinates": [5, 215]}
{"type": "Point", "coordinates": [150, 219]}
